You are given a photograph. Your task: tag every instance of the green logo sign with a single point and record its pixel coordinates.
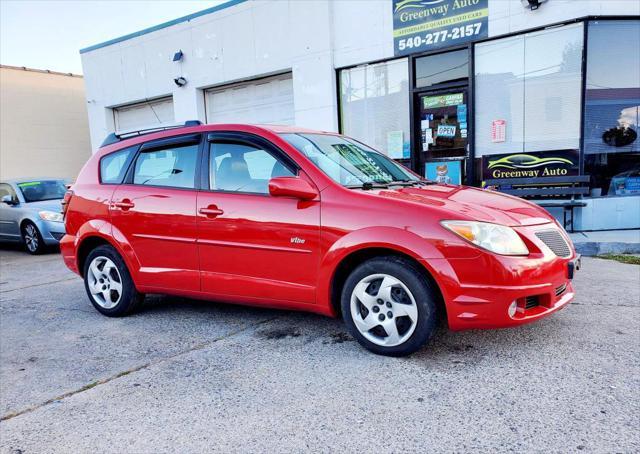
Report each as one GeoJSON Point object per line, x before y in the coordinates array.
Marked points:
{"type": "Point", "coordinates": [420, 25]}
{"type": "Point", "coordinates": [452, 99]}
{"type": "Point", "coordinates": [530, 165]}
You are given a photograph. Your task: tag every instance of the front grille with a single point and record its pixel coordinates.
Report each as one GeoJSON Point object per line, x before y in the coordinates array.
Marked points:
{"type": "Point", "coordinates": [531, 302]}
{"type": "Point", "coordinates": [560, 290]}
{"type": "Point", "coordinates": [553, 240]}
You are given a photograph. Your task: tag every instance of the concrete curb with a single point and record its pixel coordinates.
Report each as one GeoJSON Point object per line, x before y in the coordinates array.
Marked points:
{"type": "Point", "coordinates": [607, 242]}
{"type": "Point", "coordinates": [593, 248]}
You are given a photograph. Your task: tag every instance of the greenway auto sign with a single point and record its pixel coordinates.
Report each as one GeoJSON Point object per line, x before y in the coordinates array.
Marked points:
{"type": "Point", "coordinates": [530, 165]}
{"type": "Point", "coordinates": [420, 25]}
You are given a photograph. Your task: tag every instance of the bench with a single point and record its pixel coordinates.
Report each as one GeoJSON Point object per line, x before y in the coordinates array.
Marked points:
{"type": "Point", "coordinates": [573, 186]}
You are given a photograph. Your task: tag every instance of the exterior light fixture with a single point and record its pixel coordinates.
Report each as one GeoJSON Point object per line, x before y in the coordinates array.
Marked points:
{"type": "Point", "coordinates": [178, 55]}
{"type": "Point", "coordinates": [532, 4]}
{"type": "Point", "coordinates": [180, 81]}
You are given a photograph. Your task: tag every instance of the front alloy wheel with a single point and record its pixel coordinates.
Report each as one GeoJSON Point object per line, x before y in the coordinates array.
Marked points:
{"type": "Point", "coordinates": [32, 239]}
{"type": "Point", "coordinates": [389, 306]}
{"type": "Point", "coordinates": [384, 310]}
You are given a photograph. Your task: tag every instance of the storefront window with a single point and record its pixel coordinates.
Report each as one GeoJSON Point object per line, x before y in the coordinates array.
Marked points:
{"type": "Point", "coordinates": [612, 108]}
{"type": "Point", "coordinates": [528, 93]}
{"type": "Point", "coordinates": [442, 68]}
{"type": "Point", "coordinates": [374, 106]}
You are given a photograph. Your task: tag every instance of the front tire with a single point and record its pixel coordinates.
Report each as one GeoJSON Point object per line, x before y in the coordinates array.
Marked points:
{"type": "Point", "coordinates": [32, 239]}
{"type": "Point", "coordinates": [109, 284]}
{"type": "Point", "coordinates": [389, 306]}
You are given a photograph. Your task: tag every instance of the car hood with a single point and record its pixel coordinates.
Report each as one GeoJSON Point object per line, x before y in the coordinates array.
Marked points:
{"type": "Point", "coordinates": [464, 202]}
{"type": "Point", "coordinates": [48, 205]}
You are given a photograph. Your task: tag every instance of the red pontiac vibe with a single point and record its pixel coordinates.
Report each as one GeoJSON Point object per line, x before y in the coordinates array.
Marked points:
{"type": "Point", "coordinates": [297, 219]}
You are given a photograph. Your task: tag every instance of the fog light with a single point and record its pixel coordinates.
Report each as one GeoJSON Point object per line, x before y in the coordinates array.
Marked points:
{"type": "Point", "coordinates": [512, 309]}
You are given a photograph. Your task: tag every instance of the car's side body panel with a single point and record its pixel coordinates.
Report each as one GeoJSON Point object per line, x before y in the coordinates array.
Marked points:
{"type": "Point", "coordinates": [160, 228]}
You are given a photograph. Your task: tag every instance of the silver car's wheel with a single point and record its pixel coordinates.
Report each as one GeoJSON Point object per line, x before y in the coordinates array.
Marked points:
{"type": "Point", "coordinates": [32, 239]}
{"type": "Point", "coordinates": [104, 282]}
{"type": "Point", "coordinates": [384, 310]}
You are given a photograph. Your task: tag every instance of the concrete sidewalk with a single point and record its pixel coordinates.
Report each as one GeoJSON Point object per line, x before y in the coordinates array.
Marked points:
{"type": "Point", "coordinates": [607, 242]}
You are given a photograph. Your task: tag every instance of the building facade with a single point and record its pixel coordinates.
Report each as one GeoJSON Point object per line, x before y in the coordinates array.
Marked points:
{"type": "Point", "coordinates": [44, 130]}
{"type": "Point", "coordinates": [459, 90]}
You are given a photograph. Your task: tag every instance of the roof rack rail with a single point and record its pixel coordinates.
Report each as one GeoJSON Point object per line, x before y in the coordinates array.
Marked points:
{"type": "Point", "coordinates": [115, 138]}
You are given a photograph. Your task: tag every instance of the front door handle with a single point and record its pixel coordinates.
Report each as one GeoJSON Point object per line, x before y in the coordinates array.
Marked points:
{"type": "Point", "coordinates": [211, 211]}
{"type": "Point", "coordinates": [124, 204]}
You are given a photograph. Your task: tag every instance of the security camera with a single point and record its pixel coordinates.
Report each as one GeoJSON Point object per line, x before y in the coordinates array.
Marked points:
{"type": "Point", "coordinates": [180, 81]}
{"type": "Point", "coordinates": [532, 4]}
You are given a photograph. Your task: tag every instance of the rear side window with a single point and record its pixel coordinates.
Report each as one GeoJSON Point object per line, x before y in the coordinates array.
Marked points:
{"type": "Point", "coordinates": [114, 166]}
{"type": "Point", "coordinates": [171, 167]}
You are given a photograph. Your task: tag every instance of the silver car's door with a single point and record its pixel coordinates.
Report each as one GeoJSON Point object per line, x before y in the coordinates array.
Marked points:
{"type": "Point", "coordinates": [9, 215]}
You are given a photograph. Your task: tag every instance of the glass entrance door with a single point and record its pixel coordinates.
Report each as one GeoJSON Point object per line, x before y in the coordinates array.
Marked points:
{"type": "Point", "coordinates": [443, 123]}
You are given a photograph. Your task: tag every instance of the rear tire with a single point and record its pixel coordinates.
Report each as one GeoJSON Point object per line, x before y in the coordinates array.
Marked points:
{"type": "Point", "coordinates": [109, 284]}
{"type": "Point", "coordinates": [389, 306]}
{"type": "Point", "coordinates": [32, 239]}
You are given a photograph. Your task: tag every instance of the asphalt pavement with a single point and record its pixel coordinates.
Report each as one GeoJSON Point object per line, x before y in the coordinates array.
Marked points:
{"type": "Point", "coordinates": [191, 376]}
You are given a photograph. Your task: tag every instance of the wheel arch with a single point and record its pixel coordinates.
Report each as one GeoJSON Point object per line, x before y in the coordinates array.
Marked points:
{"type": "Point", "coordinates": [27, 220]}
{"type": "Point", "coordinates": [86, 246]}
{"type": "Point", "coordinates": [359, 246]}
{"type": "Point", "coordinates": [92, 235]}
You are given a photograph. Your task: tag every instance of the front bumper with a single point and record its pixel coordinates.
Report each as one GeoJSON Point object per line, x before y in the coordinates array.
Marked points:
{"type": "Point", "coordinates": [52, 232]}
{"type": "Point", "coordinates": [500, 307]}
{"type": "Point", "coordinates": [492, 291]}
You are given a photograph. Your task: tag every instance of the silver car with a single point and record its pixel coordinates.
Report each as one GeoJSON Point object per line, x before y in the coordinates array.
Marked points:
{"type": "Point", "coordinates": [30, 212]}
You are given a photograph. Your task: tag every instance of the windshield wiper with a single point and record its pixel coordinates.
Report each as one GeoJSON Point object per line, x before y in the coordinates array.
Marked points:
{"type": "Point", "coordinates": [367, 186]}
{"type": "Point", "coordinates": [410, 182]}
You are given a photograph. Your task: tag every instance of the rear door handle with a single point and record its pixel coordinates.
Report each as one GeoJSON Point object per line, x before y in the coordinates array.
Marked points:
{"type": "Point", "coordinates": [125, 204]}
{"type": "Point", "coordinates": [211, 211]}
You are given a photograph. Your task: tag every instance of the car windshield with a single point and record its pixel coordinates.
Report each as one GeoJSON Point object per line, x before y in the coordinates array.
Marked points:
{"type": "Point", "coordinates": [349, 162]}
{"type": "Point", "coordinates": [37, 191]}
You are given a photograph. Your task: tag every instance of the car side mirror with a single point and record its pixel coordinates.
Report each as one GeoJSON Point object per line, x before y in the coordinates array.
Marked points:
{"type": "Point", "coordinates": [8, 200]}
{"type": "Point", "coordinates": [292, 187]}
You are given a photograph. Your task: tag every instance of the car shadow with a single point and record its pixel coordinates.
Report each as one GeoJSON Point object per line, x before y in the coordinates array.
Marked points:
{"type": "Point", "coordinates": [445, 349]}
{"type": "Point", "coordinates": [19, 247]}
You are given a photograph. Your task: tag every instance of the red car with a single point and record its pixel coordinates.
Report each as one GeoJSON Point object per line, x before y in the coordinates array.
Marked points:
{"type": "Point", "coordinates": [291, 218]}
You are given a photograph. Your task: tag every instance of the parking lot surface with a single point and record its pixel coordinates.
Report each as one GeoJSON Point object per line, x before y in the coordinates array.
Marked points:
{"type": "Point", "coordinates": [192, 376]}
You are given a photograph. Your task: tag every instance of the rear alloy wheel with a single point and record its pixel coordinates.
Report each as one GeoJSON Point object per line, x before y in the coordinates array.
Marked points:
{"type": "Point", "coordinates": [109, 284]}
{"type": "Point", "coordinates": [105, 282]}
{"type": "Point", "coordinates": [389, 306]}
{"type": "Point", "coordinates": [32, 239]}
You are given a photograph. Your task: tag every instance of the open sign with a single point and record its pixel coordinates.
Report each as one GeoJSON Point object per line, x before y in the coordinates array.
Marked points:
{"type": "Point", "coordinates": [446, 131]}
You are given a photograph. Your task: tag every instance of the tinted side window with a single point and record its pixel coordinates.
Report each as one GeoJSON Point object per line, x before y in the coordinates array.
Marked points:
{"type": "Point", "coordinates": [172, 167]}
{"type": "Point", "coordinates": [6, 189]}
{"type": "Point", "coordinates": [241, 167]}
{"type": "Point", "coordinates": [114, 165]}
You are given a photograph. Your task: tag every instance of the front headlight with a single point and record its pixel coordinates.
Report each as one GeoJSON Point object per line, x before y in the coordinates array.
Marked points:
{"type": "Point", "coordinates": [50, 216]}
{"type": "Point", "coordinates": [493, 237]}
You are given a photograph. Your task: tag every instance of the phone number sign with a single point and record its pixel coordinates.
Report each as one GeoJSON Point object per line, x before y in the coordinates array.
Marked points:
{"type": "Point", "coordinates": [422, 25]}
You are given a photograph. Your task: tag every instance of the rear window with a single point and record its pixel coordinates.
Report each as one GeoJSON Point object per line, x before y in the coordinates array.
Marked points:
{"type": "Point", "coordinates": [114, 165]}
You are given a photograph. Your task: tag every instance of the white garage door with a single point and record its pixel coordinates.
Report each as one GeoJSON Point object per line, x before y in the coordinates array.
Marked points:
{"type": "Point", "coordinates": [264, 101]}
{"type": "Point", "coordinates": [150, 114]}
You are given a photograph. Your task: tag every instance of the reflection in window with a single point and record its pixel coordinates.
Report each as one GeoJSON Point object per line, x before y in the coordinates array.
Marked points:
{"type": "Point", "coordinates": [612, 108]}
{"type": "Point", "coordinates": [171, 167]}
{"type": "Point", "coordinates": [239, 167]}
{"type": "Point", "coordinates": [442, 68]}
{"type": "Point", "coordinates": [373, 106]}
{"type": "Point", "coordinates": [531, 84]}
{"type": "Point", "coordinates": [114, 165]}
